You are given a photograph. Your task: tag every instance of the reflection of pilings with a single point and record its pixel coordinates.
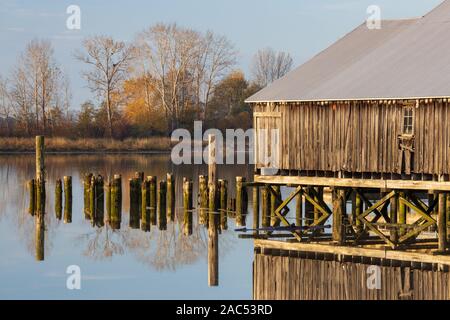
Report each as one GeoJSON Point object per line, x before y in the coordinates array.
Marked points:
{"type": "Point", "coordinates": [162, 217]}
{"type": "Point", "coordinates": [187, 205]}
{"type": "Point", "coordinates": [67, 199]}
{"type": "Point", "coordinates": [135, 192]}
{"type": "Point", "coordinates": [40, 237]}
{"type": "Point", "coordinates": [58, 199]}
{"type": "Point", "coordinates": [203, 200]}
{"type": "Point", "coordinates": [141, 177]}
{"type": "Point", "coordinates": [153, 199]}
{"type": "Point", "coordinates": [213, 237]}
{"type": "Point", "coordinates": [145, 204]}
{"type": "Point", "coordinates": [223, 187]}
{"type": "Point", "coordinates": [116, 202]}
{"type": "Point", "coordinates": [32, 196]}
{"type": "Point", "coordinates": [86, 185]}
{"type": "Point", "coordinates": [170, 197]}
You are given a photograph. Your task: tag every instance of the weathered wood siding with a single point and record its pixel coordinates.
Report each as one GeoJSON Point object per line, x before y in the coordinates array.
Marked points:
{"type": "Point", "coordinates": [294, 278]}
{"type": "Point", "coordinates": [360, 137]}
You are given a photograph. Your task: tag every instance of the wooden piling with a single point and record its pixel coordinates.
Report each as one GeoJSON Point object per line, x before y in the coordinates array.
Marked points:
{"type": "Point", "coordinates": [394, 218]}
{"type": "Point", "coordinates": [240, 202]}
{"type": "Point", "coordinates": [187, 205]}
{"type": "Point", "coordinates": [67, 199]}
{"type": "Point", "coordinates": [58, 199]}
{"type": "Point", "coordinates": [358, 212]}
{"type": "Point", "coordinates": [265, 207]}
{"type": "Point", "coordinates": [401, 216]}
{"type": "Point", "coordinates": [223, 187]}
{"type": "Point", "coordinates": [170, 197]}
{"type": "Point", "coordinates": [153, 199]}
{"type": "Point", "coordinates": [256, 209]}
{"type": "Point", "coordinates": [203, 200]}
{"type": "Point", "coordinates": [442, 223]}
{"type": "Point", "coordinates": [116, 202]}
{"type": "Point", "coordinates": [145, 206]}
{"type": "Point", "coordinates": [274, 203]}
{"type": "Point", "coordinates": [161, 204]}
{"type": "Point", "coordinates": [339, 212]}
{"type": "Point", "coordinates": [140, 176]}
{"type": "Point", "coordinates": [40, 175]}
{"type": "Point", "coordinates": [100, 199]}
{"type": "Point", "coordinates": [32, 196]}
{"type": "Point", "coordinates": [135, 205]}
{"type": "Point", "coordinates": [108, 188]}
{"type": "Point", "coordinates": [448, 217]}
{"type": "Point", "coordinates": [299, 210]}
{"type": "Point", "coordinates": [92, 200]}
{"type": "Point", "coordinates": [87, 200]}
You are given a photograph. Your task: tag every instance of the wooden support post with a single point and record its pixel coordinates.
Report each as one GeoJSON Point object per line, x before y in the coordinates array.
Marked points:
{"type": "Point", "coordinates": [40, 175]}
{"type": "Point", "coordinates": [67, 199]}
{"type": "Point", "coordinates": [187, 205]}
{"type": "Point", "coordinates": [100, 199]}
{"type": "Point", "coordinates": [135, 204]}
{"type": "Point", "coordinates": [203, 200]}
{"type": "Point", "coordinates": [401, 216]}
{"type": "Point", "coordinates": [145, 206]}
{"type": "Point", "coordinates": [108, 189]}
{"type": "Point", "coordinates": [240, 202]}
{"type": "Point", "coordinates": [223, 187]}
{"type": "Point", "coordinates": [153, 199]}
{"type": "Point", "coordinates": [274, 203]}
{"type": "Point", "coordinates": [58, 199]}
{"type": "Point", "coordinates": [39, 237]}
{"type": "Point", "coordinates": [394, 218]}
{"type": "Point", "coordinates": [162, 210]}
{"type": "Point", "coordinates": [116, 202]}
{"type": "Point", "coordinates": [442, 223]}
{"type": "Point", "coordinates": [318, 197]}
{"type": "Point", "coordinates": [256, 209]}
{"type": "Point", "coordinates": [309, 209]}
{"type": "Point", "coordinates": [265, 207]}
{"type": "Point", "coordinates": [339, 212]}
{"type": "Point", "coordinates": [359, 209]}
{"type": "Point", "coordinates": [87, 200]}
{"type": "Point", "coordinates": [92, 200]}
{"type": "Point", "coordinates": [448, 217]}
{"type": "Point", "coordinates": [32, 196]}
{"type": "Point", "coordinates": [299, 210]}
{"type": "Point", "coordinates": [170, 197]}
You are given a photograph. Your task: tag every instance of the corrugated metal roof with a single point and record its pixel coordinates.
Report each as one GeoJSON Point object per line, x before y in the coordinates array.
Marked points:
{"type": "Point", "coordinates": [404, 59]}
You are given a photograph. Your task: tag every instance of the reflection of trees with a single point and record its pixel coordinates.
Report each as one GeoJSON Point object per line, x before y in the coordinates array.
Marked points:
{"type": "Point", "coordinates": [160, 250]}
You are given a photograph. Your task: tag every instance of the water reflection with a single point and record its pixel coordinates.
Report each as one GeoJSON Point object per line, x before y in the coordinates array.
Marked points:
{"type": "Point", "coordinates": [160, 250]}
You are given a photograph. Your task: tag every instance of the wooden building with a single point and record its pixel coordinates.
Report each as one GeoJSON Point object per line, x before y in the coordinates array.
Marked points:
{"type": "Point", "coordinates": [368, 118]}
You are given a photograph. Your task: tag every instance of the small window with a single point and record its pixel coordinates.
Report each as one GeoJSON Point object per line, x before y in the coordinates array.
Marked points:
{"type": "Point", "coordinates": [408, 120]}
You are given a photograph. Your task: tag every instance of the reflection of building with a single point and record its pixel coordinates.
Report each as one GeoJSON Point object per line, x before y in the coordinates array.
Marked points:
{"type": "Point", "coordinates": [369, 118]}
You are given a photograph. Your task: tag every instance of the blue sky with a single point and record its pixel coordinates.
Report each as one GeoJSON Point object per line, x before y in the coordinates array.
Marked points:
{"type": "Point", "coordinates": [300, 27]}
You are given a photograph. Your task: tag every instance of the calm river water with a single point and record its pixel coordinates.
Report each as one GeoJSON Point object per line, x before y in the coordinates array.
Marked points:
{"type": "Point", "coordinates": [123, 264]}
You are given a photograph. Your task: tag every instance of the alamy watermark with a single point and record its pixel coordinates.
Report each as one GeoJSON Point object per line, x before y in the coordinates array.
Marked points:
{"type": "Point", "coordinates": [373, 22]}
{"type": "Point", "coordinates": [73, 281]}
{"type": "Point", "coordinates": [73, 22]}
{"type": "Point", "coordinates": [260, 146]}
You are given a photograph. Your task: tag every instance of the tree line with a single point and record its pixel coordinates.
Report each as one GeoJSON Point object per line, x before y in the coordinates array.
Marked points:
{"type": "Point", "coordinates": [167, 78]}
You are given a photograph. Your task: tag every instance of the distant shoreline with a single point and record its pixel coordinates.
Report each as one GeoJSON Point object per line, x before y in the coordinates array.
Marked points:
{"type": "Point", "coordinates": [152, 145]}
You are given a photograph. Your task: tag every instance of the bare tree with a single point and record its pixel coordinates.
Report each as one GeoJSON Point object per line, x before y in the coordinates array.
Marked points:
{"type": "Point", "coordinates": [109, 61]}
{"type": "Point", "coordinates": [5, 104]}
{"type": "Point", "coordinates": [185, 65]}
{"type": "Point", "coordinates": [268, 66]}
{"type": "Point", "coordinates": [21, 99]}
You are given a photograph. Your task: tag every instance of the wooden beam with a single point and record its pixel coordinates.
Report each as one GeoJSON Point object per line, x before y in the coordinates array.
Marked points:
{"type": "Point", "coordinates": [355, 183]}
{"type": "Point", "coordinates": [384, 253]}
